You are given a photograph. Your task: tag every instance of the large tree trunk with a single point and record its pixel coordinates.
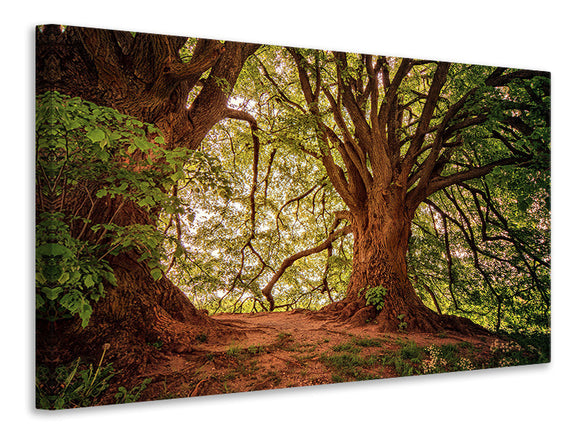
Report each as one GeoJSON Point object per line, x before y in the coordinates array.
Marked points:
{"type": "Point", "coordinates": [381, 236]}
{"type": "Point", "coordinates": [142, 76]}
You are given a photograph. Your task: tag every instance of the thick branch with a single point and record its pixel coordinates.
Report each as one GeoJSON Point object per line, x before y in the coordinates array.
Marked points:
{"type": "Point", "coordinates": [416, 196]}
{"type": "Point", "coordinates": [267, 290]}
{"type": "Point", "coordinates": [199, 63]}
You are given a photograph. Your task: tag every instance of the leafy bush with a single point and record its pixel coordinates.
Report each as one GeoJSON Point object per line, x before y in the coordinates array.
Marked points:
{"type": "Point", "coordinates": [376, 296]}
{"type": "Point", "coordinates": [93, 152]}
{"type": "Point", "coordinates": [68, 274]}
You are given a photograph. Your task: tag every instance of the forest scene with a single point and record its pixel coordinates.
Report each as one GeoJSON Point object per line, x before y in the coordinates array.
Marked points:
{"type": "Point", "coordinates": [216, 217]}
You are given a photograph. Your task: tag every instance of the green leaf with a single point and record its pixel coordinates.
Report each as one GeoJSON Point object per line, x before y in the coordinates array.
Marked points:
{"type": "Point", "coordinates": [96, 135]}
{"type": "Point", "coordinates": [179, 251]}
{"type": "Point", "coordinates": [53, 250]}
{"type": "Point", "coordinates": [52, 293]}
{"type": "Point", "coordinates": [89, 282]}
{"type": "Point", "coordinates": [109, 276]}
{"type": "Point", "coordinates": [85, 313]}
{"type": "Point", "coordinates": [156, 274]}
{"type": "Point", "coordinates": [39, 301]}
{"type": "Point", "coordinates": [63, 278]}
{"type": "Point", "coordinates": [146, 201]}
{"type": "Point", "coordinates": [142, 144]}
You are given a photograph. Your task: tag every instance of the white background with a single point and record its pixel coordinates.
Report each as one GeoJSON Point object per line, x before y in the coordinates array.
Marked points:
{"type": "Point", "coordinates": [527, 34]}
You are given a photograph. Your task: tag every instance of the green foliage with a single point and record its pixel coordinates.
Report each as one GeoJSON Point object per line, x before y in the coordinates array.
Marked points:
{"type": "Point", "coordinates": [445, 358]}
{"type": "Point", "coordinates": [133, 395]}
{"type": "Point", "coordinates": [483, 250]}
{"type": "Point", "coordinates": [109, 160]}
{"type": "Point", "coordinates": [234, 351]}
{"type": "Point", "coordinates": [78, 385]}
{"type": "Point", "coordinates": [68, 274]}
{"type": "Point", "coordinates": [349, 365]}
{"type": "Point", "coordinates": [402, 324]}
{"type": "Point", "coordinates": [70, 386]}
{"type": "Point", "coordinates": [346, 347]}
{"type": "Point", "coordinates": [367, 342]}
{"type": "Point", "coordinates": [234, 249]}
{"type": "Point", "coordinates": [405, 360]}
{"type": "Point", "coordinates": [376, 296]}
{"type": "Point", "coordinates": [531, 348]}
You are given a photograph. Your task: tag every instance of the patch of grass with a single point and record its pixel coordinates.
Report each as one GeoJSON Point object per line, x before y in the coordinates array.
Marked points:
{"type": "Point", "coordinates": [467, 345]}
{"type": "Point", "coordinates": [77, 385]}
{"type": "Point", "coordinates": [302, 358]}
{"type": "Point", "coordinates": [132, 395]}
{"type": "Point", "coordinates": [449, 351]}
{"type": "Point", "coordinates": [406, 360]}
{"type": "Point", "coordinates": [346, 347]}
{"type": "Point", "coordinates": [349, 365]}
{"type": "Point", "coordinates": [367, 342]}
{"type": "Point", "coordinates": [336, 378]}
{"type": "Point", "coordinates": [343, 361]}
{"type": "Point", "coordinates": [446, 358]}
{"type": "Point", "coordinates": [522, 350]}
{"type": "Point", "coordinates": [246, 368]}
{"type": "Point", "coordinates": [234, 351]}
{"type": "Point", "coordinates": [410, 351]}
{"type": "Point", "coordinates": [282, 336]}
{"type": "Point", "coordinates": [256, 350]}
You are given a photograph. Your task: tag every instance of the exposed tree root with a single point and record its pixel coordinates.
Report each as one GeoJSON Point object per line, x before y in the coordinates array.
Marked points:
{"type": "Point", "coordinates": [413, 318]}
{"type": "Point", "coordinates": [137, 325]}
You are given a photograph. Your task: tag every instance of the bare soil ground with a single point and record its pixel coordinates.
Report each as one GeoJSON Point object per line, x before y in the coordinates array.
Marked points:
{"type": "Point", "coordinates": [287, 349]}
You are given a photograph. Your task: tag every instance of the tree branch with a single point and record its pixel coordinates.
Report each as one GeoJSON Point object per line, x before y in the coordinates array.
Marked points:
{"type": "Point", "coordinates": [267, 290]}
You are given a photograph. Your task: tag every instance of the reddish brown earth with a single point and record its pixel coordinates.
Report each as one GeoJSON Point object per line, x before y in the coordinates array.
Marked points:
{"type": "Point", "coordinates": [281, 350]}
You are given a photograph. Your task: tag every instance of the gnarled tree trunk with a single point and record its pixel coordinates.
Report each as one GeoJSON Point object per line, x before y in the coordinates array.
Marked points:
{"type": "Point", "coordinates": [381, 236]}
{"type": "Point", "coordinates": [143, 76]}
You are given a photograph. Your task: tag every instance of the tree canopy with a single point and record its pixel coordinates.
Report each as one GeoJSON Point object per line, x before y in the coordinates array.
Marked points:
{"type": "Point", "coordinates": [468, 145]}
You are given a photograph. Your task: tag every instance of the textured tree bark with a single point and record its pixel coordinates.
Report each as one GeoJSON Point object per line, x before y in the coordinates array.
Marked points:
{"type": "Point", "coordinates": [143, 76]}
{"type": "Point", "coordinates": [381, 236]}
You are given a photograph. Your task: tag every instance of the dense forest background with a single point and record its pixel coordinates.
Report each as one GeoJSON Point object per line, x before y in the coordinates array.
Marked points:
{"type": "Point", "coordinates": [545, 64]}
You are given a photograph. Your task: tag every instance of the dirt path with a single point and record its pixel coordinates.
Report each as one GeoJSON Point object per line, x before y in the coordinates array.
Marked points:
{"type": "Point", "coordinates": [297, 348]}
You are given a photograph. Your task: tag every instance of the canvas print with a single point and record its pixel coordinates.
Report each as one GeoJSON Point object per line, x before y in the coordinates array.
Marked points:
{"type": "Point", "coordinates": [216, 217]}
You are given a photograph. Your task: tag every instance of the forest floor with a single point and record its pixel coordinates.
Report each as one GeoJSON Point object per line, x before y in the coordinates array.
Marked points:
{"type": "Point", "coordinates": [300, 348]}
